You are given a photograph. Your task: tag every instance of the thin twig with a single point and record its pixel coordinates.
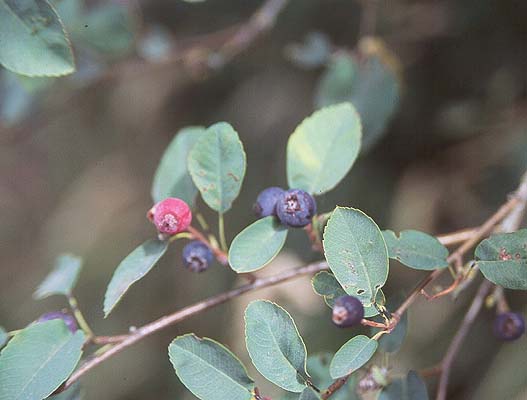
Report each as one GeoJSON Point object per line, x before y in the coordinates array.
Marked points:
{"type": "Point", "coordinates": [194, 309]}
{"type": "Point", "coordinates": [462, 332]}
{"type": "Point", "coordinates": [457, 237]}
{"type": "Point", "coordinates": [510, 223]}
{"type": "Point", "coordinates": [336, 385]}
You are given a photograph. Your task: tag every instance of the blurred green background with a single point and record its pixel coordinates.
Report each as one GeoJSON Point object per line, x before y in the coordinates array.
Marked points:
{"type": "Point", "coordinates": [77, 157]}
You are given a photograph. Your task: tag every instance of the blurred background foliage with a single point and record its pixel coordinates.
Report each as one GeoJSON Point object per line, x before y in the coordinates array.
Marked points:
{"type": "Point", "coordinates": [442, 93]}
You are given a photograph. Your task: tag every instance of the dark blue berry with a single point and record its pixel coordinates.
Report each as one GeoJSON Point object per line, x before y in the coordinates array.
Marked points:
{"type": "Point", "coordinates": [509, 326]}
{"type": "Point", "coordinates": [70, 322]}
{"type": "Point", "coordinates": [197, 256]}
{"type": "Point", "coordinates": [347, 311]}
{"type": "Point", "coordinates": [266, 201]}
{"type": "Point", "coordinates": [295, 208]}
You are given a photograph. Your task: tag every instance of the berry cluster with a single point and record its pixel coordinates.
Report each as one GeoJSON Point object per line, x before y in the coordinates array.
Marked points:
{"type": "Point", "coordinates": [172, 216]}
{"type": "Point", "coordinates": [294, 207]}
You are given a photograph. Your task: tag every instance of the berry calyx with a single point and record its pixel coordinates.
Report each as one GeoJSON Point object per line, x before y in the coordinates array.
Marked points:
{"type": "Point", "coordinates": [509, 326]}
{"type": "Point", "coordinates": [347, 311]}
{"type": "Point", "coordinates": [170, 216]}
{"type": "Point", "coordinates": [197, 256]}
{"type": "Point", "coordinates": [265, 204]}
{"type": "Point", "coordinates": [295, 208]}
{"type": "Point", "coordinates": [70, 322]}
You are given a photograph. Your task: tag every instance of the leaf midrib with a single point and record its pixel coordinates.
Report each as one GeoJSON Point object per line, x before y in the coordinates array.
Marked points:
{"type": "Point", "coordinates": [194, 355]}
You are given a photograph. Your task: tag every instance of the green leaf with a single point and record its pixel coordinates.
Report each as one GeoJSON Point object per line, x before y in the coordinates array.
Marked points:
{"type": "Point", "coordinates": [62, 279]}
{"type": "Point", "coordinates": [410, 388]}
{"type": "Point", "coordinates": [323, 148]}
{"type": "Point", "coordinates": [38, 359]}
{"type": "Point", "coordinates": [325, 284]}
{"type": "Point", "coordinates": [502, 259]}
{"type": "Point", "coordinates": [352, 355]}
{"type": "Point", "coordinates": [217, 166]}
{"type": "Point", "coordinates": [73, 393]}
{"type": "Point", "coordinates": [275, 346]}
{"type": "Point", "coordinates": [172, 178]}
{"type": "Point", "coordinates": [33, 39]}
{"type": "Point", "coordinates": [107, 28]}
{"type": "Point", "coordinates": [356, 253]}
{"type": "Point", "coordinates": [416, 250]}
{"type": "Point", "coordinates": [318, 368]}
{"type": "Point", "coordinates": [4, 337]}
{"type": "Point", "coordinates": [135, 266]}
{"type": "Point", "coordinates": [209, 370]}
{"type": "Point", "coordinates": [371, 85]}
{"type": "Point", "coordinates": [257, 245]}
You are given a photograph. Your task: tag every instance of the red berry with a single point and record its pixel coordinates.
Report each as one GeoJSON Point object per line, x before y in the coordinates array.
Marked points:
{"type": "Point", "coordinates": [170, 216]}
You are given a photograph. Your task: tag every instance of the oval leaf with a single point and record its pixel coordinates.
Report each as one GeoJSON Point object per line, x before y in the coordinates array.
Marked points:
{"type": "Point", "coordinates": [257, 245]}
{"type": "Point", "coordinates": [136, 265]}
{"type": "Point", "coordinates": [502, 259]}
{"type": "Point", "coordinates": [322, 149]}
{"type": "Point", "coordinates": [325, 284]}
{"type": "Point", "coordinates": [172, 178]}
{"type": "Point", "coordinates": [62, 279]}
{"type": "Point", "coordinates": [33, 39]}
{"type": "Point", "coordinates": [356, 253]}
{"type": "Point", "coordinates": [410, 388]}
{"type": "Point", "coordinates": [217, 166]}
{"type": "Point", "coordinates": [416, 250]}
{"type": "Point", "coordinates": [38, 359]}
{"type": "Point", "coordinates": [209, 370]}
{"type": "Point", "coordinates": [352, 355]}
{"type": "Point", "coordinates": [275, 346]}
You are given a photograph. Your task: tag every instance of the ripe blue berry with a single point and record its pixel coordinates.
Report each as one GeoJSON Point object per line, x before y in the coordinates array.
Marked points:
{"type": "Point", "coordinates": [197, 256]}
{"type": "Point", "coordinates": [70, 322]}
{"type": "Point", "coordinates": [266, 201]}
{"type": "Point", "coordinates": [509, 326]}
{"type": "Point", "coordinates": [295, 208]}
{"type": "Point", "coordinates": [347, 311]}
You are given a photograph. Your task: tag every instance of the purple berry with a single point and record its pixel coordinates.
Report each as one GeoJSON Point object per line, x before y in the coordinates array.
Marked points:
{"type": "Point", "coordinates": [296, 208]}
{"type": "Point", "coordinates": [197, 256]}
{"type": "Point", "coordinates": [70, 322]}
{"type": "Point", "coordinates": [347, 311]}
{"type": "Point", "coordinates": [266, 201]}
{"type": "Point", "coordinates": [509, 326]}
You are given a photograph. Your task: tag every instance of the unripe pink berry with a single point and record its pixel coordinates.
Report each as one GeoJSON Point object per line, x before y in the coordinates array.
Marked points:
{"type": "Point", "coordinates": [170, 216]}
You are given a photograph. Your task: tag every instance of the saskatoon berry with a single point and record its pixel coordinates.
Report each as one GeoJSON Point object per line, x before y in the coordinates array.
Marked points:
{"type": "Point", "coordinates": [347, 311]}
{"type": "Point", "coordinates": [295, 208]}
{"type": "Point", "coordinates": [197, 256]}
{"type": "Point", "coordinates": [170, 216]}
{"type": "Point", "coordinates": [68, 319]}
{"type": "Point", "coordinates": [266, 201]}
{"type": "Point", "coordinates": [509, 326]}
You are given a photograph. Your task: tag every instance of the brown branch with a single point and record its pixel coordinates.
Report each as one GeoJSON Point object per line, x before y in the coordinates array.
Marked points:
{"type": "Point", "coordinates": [190, 311]}
{"type": "Point", "coordinates": [332, 389]}
{"type": "Point", "coordinates": [457, 237]}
